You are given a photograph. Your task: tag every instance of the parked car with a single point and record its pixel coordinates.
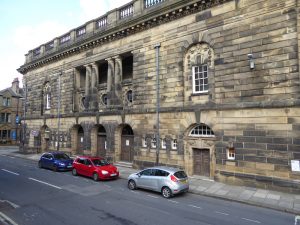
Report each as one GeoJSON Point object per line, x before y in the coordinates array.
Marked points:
{"type": "Point", "coordinates": [55, 161]}
{"type": "Point", "coordinates": [96, 167]}
{"type": "Point", "coordinates": [166, 180]}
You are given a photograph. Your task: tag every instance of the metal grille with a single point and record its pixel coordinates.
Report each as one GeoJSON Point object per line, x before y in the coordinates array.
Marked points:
{"type": "Point", "coordinates": [202, 130]}
{"type": "Point", "coordinates": [149, 3]}
{"type": "Point", "coordinates": [126, 11]}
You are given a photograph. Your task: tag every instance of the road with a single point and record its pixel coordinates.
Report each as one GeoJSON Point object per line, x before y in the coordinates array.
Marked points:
{"type": "Point", "coordinates": [33, 196]}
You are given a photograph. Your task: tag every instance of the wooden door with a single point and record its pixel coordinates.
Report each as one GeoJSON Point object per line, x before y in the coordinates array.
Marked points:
{"type": "Point", "coordinates": [80, 143]}
{"type": "Point", "coordinates": [201, 162]}
{"type": "Point", "coordinates": [127, 148]}
{"type": "Point", "coordinates": [101, 150]}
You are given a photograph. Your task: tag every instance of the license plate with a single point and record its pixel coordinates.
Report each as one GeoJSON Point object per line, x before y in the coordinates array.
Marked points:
{"type": "Point", "coordinates": [184, 181]}
{"type": "Point", "coordinates": [113, 174]}
{"type": "Point", "coordinates": [70, 166]}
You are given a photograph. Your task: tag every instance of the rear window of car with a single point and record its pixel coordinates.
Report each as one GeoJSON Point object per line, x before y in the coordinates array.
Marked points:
{"type": "Point", "coordinates": [61, 156]}
{"type": "Point", "coordinates": [180, 174]}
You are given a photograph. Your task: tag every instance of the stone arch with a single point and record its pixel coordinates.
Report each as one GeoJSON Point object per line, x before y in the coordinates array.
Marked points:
{"type": "Point", "coordinates": [77, 137]}
{"type": "Point", "coordinates": [99, 140]}
{"type": "Point", "coordinates": [45, 138]}
{"type": "Point", "coordinates": [125, 143]}
{"type": "Point", "coordinates": [199, 156]}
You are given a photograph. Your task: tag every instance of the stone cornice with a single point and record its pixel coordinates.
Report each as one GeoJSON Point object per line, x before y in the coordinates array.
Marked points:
{"type": "Point", "coordinates": [127, 28]}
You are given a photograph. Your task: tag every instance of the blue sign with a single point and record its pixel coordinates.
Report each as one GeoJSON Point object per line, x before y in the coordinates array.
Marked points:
{"type": "Point", "coordinates": [17, 119]}
{"type": "Point", "coordinates": [14, 135]}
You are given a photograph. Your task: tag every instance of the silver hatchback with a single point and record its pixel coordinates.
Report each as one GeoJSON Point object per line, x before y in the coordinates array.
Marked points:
{"type": "Point", "coordinates": [167, 180]}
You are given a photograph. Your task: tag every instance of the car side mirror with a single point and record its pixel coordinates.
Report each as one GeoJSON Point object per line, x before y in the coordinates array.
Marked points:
{"type": "Point", "coordinates": [139, 174]}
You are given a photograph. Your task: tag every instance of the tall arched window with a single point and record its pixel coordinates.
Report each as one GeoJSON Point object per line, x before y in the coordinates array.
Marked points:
{"type": "Point", "coordinates": [202, 130]}
{"type": "Point", "coordinates": [47, 96]}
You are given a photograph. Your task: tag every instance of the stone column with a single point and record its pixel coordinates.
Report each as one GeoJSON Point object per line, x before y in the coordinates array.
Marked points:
{"type": "Point", "coordinates": [110, 72]}
{"type": "Point", "coordinates": [87, 86]}
{"type": "Point", "coordinates": [118, 79]}
{"type": "Point", "coordinates": [94, 90]}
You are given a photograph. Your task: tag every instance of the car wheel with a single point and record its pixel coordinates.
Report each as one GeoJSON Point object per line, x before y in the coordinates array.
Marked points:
{"type": "Point", "coordinates": [95, 177]}
{"type": "Point", "coordinates": [40, 165]}
{"type": "Point", "coordinates": [166, 192]}
{"type": "Point", "coordinates": [131, 185]}
{"type": "Point", "coordinates": [74, 172]}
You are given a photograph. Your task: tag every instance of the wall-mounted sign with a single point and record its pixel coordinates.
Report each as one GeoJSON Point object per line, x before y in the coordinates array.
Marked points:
{"type": "Point", "coordinates": [295, 164]}
{"type": "Point", "coordinates": [35, 133]}
{"type": "Point", "coordinates": [127, 142]}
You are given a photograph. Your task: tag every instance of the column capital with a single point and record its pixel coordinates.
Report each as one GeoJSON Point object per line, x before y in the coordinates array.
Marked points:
{"type": "Point", "coordinates": [117, 58]}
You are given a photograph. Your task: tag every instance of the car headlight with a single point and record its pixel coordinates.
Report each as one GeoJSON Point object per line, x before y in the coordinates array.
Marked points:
{"type": "Point", "coordinates": [104, 172]}
{"type": "Point", "coordinates": [61, 164]}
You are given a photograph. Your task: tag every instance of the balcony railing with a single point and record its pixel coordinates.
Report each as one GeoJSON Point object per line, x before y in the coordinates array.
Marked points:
{"type": "Point", "coordinates": [102, 22]}
{"type": "Point", "coordinates": [149, 3]}
{"type": "Point", "coordinates": [126, 11]}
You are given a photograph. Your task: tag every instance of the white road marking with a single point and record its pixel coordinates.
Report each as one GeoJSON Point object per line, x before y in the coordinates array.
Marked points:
{"type": "Point", "coordinates": [254, 221]}
{"type": "Point", "coordinates": [152, 196]}
{"type": "Point", "coordinates": [194, 206]}
{"type": "Point", "coordinates": [11, 157]}
{"type": "Point", "coordinates": [226, 214]}
{"type": "Point", "coordinates": [11, 203]}
{"type": "Point", "coordinates": [10, 172]}
{"type": "Point", "coordinates": [173, 201]}
{"type": "Point", "coordinates": [42, 182]}
{"type": "Point", "coordinates": [5, 219]}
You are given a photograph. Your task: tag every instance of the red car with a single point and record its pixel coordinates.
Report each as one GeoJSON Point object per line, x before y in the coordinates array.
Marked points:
{"type": "Point", "coordinates": [96, 167]}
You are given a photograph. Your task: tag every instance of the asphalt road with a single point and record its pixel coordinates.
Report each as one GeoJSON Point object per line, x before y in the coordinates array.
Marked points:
{"type": "Point", "coordinates": [33, 196]}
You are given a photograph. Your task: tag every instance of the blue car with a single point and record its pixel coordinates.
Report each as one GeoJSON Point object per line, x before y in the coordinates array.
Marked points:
{"type": "Point", "coordinates": [56, 161]}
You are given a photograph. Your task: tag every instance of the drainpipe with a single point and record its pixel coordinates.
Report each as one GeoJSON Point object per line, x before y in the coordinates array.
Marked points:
{"type": "Point", "coordinates": [157, 46]}
{"type": "Point", "coordinates": [58, 112]}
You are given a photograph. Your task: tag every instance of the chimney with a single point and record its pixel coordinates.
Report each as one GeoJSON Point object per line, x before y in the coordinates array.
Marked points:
{"type": "Point", "coordinates": [15, 85]}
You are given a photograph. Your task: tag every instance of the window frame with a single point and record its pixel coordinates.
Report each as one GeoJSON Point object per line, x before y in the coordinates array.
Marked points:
{"type": "Point", "coordinates": [207, 130]}
{"type": "Point", "coordinates": [174, 144]}
{"type": "Point", "coordinates": [153, 143]}
{"type": "Point", "coordinates": [201, 79]}
{"type": "Point", "coordinates": [230, 153]}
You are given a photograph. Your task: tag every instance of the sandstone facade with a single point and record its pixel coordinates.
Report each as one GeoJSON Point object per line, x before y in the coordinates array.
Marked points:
{"type": "Point", "coordinates": [219, 117]}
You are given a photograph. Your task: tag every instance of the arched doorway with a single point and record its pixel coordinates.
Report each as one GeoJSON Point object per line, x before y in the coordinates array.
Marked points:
{"type": "Point", "coordinates": [127, 138]}
{"type": "Point", "coordinates": [101, 141]}
{"type": "Point", "coordinates": [45, 138]}
{"type": "Point", "coordinates": [80, 140]}
{"type": "Point", "coordinates": [200, 144]}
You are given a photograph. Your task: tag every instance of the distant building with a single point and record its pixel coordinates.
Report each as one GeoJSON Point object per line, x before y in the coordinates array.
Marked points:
{"type": "Point", "coordinates": [10, 114]}
{"type": "Point", "coordinates": [229, 101]}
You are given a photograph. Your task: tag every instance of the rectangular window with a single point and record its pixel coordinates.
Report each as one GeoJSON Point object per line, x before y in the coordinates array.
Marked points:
{"type": "Point", "coordinates": [81, 31]}
{"type": "Point", "coordinates": [231, 153]}
{"type": "Point", "coordinates": [163, 143]}
{"type": "Point", "coordinates": [144, 142]}
{"type": "Point", "coordinates": [8, 118]}
{"type": "Point", "coordinates": [174, 144]}
{"type": "Point", "coordinates": [48, 101]}
{"type": "Point", "coordinates": [153, 143]}
{"type": "Point", "coordinates": [200, 79]}
{"type": "Point", "coordinates": [6, 101]}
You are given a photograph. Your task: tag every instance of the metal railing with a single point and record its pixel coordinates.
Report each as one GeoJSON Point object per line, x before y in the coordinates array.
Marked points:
{"type": "Point", "coordinates": [102, 22]}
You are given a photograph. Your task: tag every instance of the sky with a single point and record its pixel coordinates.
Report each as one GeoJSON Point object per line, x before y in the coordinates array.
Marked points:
{"type": "Point", "coordinates": [26, 24]}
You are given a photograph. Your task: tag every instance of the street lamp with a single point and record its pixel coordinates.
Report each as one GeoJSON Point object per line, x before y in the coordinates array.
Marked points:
{"type": "Point", "coordinates": [24, 118]}
{"type": "Point", "coordinates": [58, 112]}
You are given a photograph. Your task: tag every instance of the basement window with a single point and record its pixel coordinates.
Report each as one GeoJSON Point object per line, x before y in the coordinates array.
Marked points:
{"type": "Point", "coordinates": [231, 153]}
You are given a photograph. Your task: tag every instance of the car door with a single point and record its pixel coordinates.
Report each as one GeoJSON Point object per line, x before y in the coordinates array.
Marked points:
{"type": "Point", "coordinates": [88, 167]}
{"type": "Point", "coordinates": [160, 179]}
{"type": "Point", "coordinates": [145, 178]}
{"type": "Point", "coordinates": [79, 166]}
{"type": "Point", "coordinates": [48, 161]}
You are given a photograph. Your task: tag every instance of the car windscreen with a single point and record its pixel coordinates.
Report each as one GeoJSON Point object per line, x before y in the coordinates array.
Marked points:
{"type": "Point", "coordinates": [180, 174]}
{"type": "Point", "coordinates": [100, 162]}
{"type": "Point", "coordinates": [61, 156]}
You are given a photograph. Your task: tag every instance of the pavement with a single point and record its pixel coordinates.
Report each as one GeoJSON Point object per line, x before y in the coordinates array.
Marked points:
{"type": "Point", "coordinates": [198, 185]}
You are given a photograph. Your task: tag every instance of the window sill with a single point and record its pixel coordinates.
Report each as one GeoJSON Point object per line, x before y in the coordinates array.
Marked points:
{"type": "Point", "coordinates": [200, 94]}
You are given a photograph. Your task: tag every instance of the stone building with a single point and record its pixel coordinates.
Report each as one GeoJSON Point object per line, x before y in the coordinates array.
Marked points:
{"type": "Point", "coordinates": [11, 109]}
{"type": "Point", "coordinates": [228, 103]}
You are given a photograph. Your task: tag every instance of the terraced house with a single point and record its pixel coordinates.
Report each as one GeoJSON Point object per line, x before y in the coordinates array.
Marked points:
{"type": "Point", "coordinates": [225, 105]}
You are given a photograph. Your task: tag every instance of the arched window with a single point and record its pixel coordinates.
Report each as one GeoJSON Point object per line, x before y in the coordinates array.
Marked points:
{"type": "Point", "coordinates": [202, 130]}
{"type": "Point", "coordinates": [47, 96]}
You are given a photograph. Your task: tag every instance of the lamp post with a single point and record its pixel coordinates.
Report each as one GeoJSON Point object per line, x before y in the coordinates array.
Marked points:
{"type": "Point", "coordinates": [157, 46]}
